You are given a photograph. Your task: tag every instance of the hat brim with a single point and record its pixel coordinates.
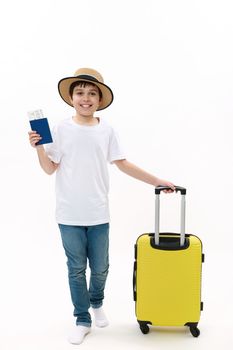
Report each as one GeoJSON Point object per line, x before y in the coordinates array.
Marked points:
{"type": "Point", "coordinates": [64, 87]}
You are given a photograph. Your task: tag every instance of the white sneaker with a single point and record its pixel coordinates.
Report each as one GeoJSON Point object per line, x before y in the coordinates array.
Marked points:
{"type": "Point", "coordinates": [78, 334]}
{"type": "Point", "coordinates": [100, 317]}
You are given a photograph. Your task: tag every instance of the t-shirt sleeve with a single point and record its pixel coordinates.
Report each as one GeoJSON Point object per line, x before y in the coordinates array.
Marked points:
{"type": "Point", "coordinates": [115, 151]}
{"type": "Point", "coordinates": [53, 150]}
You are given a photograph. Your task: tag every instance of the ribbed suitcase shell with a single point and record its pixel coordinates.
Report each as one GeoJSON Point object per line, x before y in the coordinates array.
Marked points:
{"type": "Point", "coordinates": [168, 282]}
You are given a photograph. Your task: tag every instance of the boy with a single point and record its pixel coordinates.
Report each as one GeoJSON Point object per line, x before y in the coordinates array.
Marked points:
{"type": "Point", "coordinates": [82, 146]}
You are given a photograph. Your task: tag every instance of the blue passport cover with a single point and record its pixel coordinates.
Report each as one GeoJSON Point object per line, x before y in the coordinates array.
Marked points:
{"type": "Point", "coordinates": [41, 126]}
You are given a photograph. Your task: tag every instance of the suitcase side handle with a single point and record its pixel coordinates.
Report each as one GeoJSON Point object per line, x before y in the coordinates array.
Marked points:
{"type": "Point", "coordinates": [182, 190]}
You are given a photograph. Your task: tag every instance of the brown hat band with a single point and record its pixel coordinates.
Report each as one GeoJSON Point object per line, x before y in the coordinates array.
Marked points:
{"type": "Point", "coordinates": [89, 77]}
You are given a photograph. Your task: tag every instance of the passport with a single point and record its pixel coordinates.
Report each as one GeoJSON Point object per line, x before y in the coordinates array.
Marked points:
{"type": "Point", "coordinates": [41, 126]}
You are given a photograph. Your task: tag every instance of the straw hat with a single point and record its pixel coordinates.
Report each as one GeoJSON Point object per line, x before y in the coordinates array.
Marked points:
{"type": "Point", "coordinates": [88, 75]}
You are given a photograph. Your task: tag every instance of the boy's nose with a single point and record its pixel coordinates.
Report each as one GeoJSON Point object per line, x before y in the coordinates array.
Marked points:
{"type": "Point", "coordinates": [85, 97]}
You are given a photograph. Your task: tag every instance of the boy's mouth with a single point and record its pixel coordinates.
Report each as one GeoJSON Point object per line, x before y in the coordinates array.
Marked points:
{"type": "Point", "coordinates": [85, 106]}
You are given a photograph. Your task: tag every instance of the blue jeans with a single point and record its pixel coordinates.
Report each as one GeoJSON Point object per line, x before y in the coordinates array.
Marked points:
{"type": "Point", "coordinates": [82, 243]}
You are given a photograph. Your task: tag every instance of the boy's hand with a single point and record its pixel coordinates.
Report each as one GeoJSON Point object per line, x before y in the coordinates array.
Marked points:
{"type": "Point", "coordinates": [167, 183]}
{"type": "Point", "coordinates": [34, 138]}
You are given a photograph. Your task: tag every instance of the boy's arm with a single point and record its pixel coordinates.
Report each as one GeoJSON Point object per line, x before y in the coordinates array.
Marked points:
{"type": "Point", "coordinates": [45, 162]}
{"type": "Point", "coordinates": [140, 174]}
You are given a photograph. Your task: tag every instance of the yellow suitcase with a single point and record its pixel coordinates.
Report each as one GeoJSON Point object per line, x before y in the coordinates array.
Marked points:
{"type": "Point", "coordinates": [167, 276]}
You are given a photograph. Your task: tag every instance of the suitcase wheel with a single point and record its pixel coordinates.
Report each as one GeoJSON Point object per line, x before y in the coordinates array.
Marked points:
{"type": "Point", "coordinates": [194, 331]}
{"type": "Point", "coordinates": [144, 328]}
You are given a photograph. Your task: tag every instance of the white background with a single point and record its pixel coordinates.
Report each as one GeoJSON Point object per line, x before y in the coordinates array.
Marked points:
{"type": "Point", "coordinates": [169, 64]}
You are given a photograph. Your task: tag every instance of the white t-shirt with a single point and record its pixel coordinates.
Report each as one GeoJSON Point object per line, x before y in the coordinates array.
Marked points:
{"type": "Point", "coordinates": [82, 180]}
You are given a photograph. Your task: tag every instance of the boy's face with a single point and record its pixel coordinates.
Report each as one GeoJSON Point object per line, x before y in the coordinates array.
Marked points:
{"type": "Point", "coordinates": [85, 99]}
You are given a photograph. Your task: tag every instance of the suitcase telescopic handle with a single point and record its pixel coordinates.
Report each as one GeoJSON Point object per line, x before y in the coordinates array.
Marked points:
{"type": "Point", "coordinates": [182, 190]}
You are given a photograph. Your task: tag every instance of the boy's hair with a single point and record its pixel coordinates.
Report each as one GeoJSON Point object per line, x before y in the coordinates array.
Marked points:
{"type": "Point", "coordinates": [82, 84]}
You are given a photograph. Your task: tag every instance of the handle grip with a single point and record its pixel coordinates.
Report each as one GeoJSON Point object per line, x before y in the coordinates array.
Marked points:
{"type": "Point", "coordinates": [180, 189]}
